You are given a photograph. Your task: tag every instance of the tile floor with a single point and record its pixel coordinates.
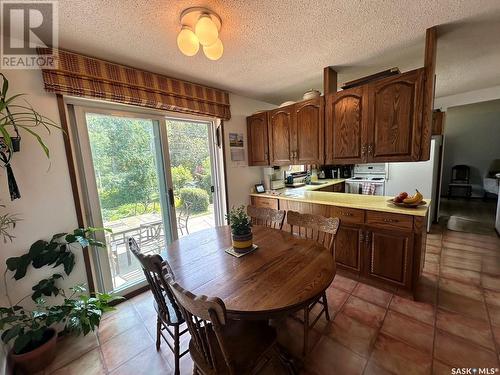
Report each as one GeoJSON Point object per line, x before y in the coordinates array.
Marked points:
{"type": "Point", "coordinates": [454, 322]}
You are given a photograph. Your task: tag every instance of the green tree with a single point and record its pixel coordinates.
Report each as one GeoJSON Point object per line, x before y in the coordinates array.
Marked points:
{"type": "Point", "coordinates": [180, 177]}
{"type": "Point", "coordinates": [204, 177]}
{"type": "Point", "coordinates": [124, 160]}
{"type": "Point", "coordinates": [187, 143]}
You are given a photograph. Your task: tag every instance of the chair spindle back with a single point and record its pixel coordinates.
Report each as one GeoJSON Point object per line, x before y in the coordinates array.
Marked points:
{"type": "Point", "coordinates": [205, 318]}
{"type": "Point", "coordinates": [266, 216]}
{"type": "Point", "coordinates": [314, 227]}
{"type": "Point", "coordinates": [156, 271]}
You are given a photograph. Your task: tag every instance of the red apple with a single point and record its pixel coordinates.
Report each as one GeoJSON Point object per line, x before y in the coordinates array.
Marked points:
{"type": "Point", "coordinates": [403, 195]}
{"type": "Point", "coordinates": [398, 199]}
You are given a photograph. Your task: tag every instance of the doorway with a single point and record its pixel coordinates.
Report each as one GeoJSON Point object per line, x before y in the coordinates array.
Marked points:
{"type": "Point", "coordinates": [148, 176]}
{"type": "Point", "coordinates": [471, 162]}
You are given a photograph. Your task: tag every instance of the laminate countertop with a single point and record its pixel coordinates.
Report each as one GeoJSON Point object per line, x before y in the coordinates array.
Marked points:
{"type": "Point", "coordinates": [309, 194]}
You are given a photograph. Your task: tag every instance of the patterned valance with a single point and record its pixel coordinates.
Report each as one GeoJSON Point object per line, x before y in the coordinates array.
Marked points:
{"type": "Point", "coordinates": [84, 76]}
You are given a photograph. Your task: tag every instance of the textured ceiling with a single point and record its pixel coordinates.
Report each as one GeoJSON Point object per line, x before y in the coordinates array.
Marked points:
{"type": "Point", "coordinates": [276, 50]}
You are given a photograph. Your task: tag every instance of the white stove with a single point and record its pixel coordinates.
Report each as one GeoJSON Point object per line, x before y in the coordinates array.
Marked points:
{"type": "Point", "coordinates": [370, 176]}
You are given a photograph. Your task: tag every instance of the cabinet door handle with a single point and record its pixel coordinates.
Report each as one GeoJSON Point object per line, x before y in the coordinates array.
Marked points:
{"type": "Point", "coordinates": [391, 220]}
{"type": "Point", "coordinates": [346, 213]}
{"type": "Point", "coordinates": [367, 239]}
{"type": "Point", "coordinates": [370, 149]}
{"type": "Point", "coordinates": [363, 151]}
{"type": "Point", "coordinates": [361, 236]}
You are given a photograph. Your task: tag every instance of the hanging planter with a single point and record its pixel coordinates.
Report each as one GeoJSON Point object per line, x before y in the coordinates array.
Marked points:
{"type": "Point", "coordinates": [15, 117]}
{"type": "Point", "coordinates": [16, 143]}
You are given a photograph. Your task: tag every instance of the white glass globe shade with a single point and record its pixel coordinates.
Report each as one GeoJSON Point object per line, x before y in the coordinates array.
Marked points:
{"type": "Point", "coordinates": [188, 42]}
{"type": "Point", "coordinates": [214, 51]}
{"type": "Point", "coordinates": [206, 30]}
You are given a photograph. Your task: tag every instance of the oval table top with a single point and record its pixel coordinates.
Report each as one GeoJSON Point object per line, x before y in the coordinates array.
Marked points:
{"type": "Point", "coordinates": [282, 275]}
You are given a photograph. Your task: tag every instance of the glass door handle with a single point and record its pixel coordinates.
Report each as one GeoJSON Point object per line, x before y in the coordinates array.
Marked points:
{"type": "Point", "coordinates": [171, 197]}
{"type": "Point", "coordinates": [212, 189]}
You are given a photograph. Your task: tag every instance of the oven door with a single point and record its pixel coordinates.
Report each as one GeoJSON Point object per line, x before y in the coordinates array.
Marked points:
{"type": "Point", "coordinates": [356, 188]}
{"type": "Point", "coordinates": [352, 187]}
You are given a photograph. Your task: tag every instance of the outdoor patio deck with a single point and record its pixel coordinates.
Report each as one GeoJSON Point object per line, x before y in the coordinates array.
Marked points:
{"type": "Point", "coordinates": [148, 231]}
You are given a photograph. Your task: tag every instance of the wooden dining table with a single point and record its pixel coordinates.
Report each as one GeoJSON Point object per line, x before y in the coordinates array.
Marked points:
{"type": "Point", "coordinates": [283, 275]}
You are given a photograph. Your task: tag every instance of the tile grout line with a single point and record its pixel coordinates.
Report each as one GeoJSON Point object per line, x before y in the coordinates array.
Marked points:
{"type": "Point", "coordinates": [387, 309]}
{"type": "Point", "coordinates": [487, 313]}
{"type": "Point", "coordinates": [101, 354]}
{"type": "Point", "coordinates": [437, 303]}
{"type": "Point", "coordinates": [495, 344]}
{"type": "Point", "coordinates": [335, 316]}
{"type": "Point", "coordinates": [372, 347]}
{"type": "Point", "coordinates": [143, 322]}
{"type": "Point", "coordinates": [338, 312]}
{"type": "Point", "coordinates": [80, 356]}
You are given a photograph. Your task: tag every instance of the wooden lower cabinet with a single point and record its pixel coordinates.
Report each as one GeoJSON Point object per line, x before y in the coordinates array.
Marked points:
{"type": "Point", "coordinates": [265, 202]}
{"type": "Point", "coordinates": [347, 247]}
{"type": "Point", "coordinates": [387, 248]}
{"type": "Point", "coordinates": [388, 256]}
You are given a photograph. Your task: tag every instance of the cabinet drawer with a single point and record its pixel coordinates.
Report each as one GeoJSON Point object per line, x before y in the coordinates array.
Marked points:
{"type": "Point", "coordinates": [265, 202]}
{"type": "Point", "coordinates": [348, 215]}
{"type": "Point", "coordinates": [389, 221]}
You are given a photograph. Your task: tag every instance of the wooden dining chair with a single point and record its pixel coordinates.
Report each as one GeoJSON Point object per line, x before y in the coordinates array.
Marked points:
{"type": "Point", "coordinates": [322, 230]}
{"type": "Point", "coordinates": [266, 216]}
{"type": "Point", "coordinates": [219, 345]}
{"type": "Point", "coordinates": [169, 316]}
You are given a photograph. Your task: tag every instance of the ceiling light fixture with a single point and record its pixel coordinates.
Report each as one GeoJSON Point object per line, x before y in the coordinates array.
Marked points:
{"type": "Point", "coordinates": [200, 26]}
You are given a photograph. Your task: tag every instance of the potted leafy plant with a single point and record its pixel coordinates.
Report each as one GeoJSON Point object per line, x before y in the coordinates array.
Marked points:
{"type": "Point", "coordinates": [8, 222]}
{"type": "Point", "coordinates": [15, 117]}
{"type": "Point", "coordinates": [241, 229]}
{"type": "Point", "coordinates": [31, 331]}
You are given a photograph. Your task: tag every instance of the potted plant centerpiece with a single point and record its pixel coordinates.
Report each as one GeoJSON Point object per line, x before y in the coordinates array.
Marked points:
{"type": "Point", "coordinates": [241, 229]}
{"type": "Point", "coordinates": [31, 330]}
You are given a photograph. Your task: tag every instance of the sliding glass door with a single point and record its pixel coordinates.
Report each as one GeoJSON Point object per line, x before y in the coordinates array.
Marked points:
{"type": "Point", "coordinates": [152, 178]}
{"type": "Point", "coordinates": [193, 177]}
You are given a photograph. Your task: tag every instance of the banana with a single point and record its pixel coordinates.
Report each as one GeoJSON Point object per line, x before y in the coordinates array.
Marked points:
{"type": "Point", "coordinates": [414, 199]}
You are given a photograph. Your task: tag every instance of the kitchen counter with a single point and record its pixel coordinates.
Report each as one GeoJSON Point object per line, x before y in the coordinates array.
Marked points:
{"type": "Point", "coordinates": [309, 194]}
{"type": "Point", "coordinates": [319, 184]}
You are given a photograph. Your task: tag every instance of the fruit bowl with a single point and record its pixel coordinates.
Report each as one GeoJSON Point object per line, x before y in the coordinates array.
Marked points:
{"type": "Point", "coordinates": [407, 205]}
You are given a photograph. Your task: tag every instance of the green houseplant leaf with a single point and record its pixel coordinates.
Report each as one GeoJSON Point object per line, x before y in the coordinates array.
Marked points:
{"type": "Point", "coordinates": [80, 313]}
{"type": "Point", "coordinates": [15, 117]}
{"type": "Point", "coordinates": [239, 221]}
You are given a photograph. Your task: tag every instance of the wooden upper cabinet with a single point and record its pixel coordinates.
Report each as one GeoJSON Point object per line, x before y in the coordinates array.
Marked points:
{"type": "Point", "coordinates": [396, 105]}
{"type": "Point", "coordinates": [280, 136]}
{"type": "Point", "coordinates": [308, 131]}
{"type": "Point", "coordinates": [346, 126]}
{"type": "Point", "coordinates": [258, 144]}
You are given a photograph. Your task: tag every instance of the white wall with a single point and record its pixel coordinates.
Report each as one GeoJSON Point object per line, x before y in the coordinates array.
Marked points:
{"type": "Point", "coordinates": [472, 137]}
{"type": "Point", "coordinates": [46, 203]}
{"type": "Point", "coordinates": [469, 97]}
{"type": "Point", "coordinates": [240, 177]}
